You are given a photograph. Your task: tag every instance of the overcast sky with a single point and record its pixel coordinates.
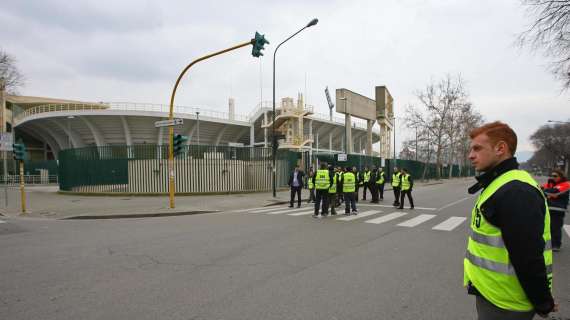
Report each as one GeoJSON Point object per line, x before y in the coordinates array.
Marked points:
{"type": "Point", "coordinates": [134, 50]}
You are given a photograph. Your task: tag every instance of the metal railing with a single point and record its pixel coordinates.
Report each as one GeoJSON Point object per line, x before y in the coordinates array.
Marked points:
{"type": "Point", "coordinates": [29, 179]}
{"type": "Point", "coordinates": [128, 106]}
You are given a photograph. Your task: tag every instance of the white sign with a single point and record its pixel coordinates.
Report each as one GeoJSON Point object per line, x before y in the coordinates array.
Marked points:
{"type": "Point", "coordinates": [6, 141]}
{"type": "Point", "coordinates": [342, 157]}
{"type": "Point", "coordinates": [168, 123]}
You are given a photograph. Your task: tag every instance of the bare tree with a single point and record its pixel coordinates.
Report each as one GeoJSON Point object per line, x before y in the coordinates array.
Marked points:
{"type": "Point", "coordinates": [556, 140]}
{"type": "Point", "coordinates": [12, 77]}
{"type": "Point", "coordinates": [549, 33]}
{"type": "Point", "coordinates": [441, 104]}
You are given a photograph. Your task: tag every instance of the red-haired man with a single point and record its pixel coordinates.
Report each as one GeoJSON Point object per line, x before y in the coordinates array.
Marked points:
{"type": "Point", "coordinates": [508, 264]}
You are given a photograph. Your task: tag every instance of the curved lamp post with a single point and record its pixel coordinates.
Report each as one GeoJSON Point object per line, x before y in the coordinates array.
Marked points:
{"type": "Point", "coordinates": [273, 139]}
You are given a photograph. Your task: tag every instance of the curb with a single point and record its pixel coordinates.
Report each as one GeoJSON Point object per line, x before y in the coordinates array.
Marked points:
{"type": "Point", "coordinates": [137, 215]}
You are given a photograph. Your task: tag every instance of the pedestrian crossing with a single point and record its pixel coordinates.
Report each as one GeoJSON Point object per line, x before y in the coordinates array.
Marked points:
{"type": "Point", "coordinates": [405, 219]}
{"type": "Point", "coordinates": [2, 221]}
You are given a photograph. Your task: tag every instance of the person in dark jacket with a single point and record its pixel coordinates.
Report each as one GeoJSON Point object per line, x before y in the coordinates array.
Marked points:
{"type": "Point", "coordinates": [296, 179]}
{"type": "Point", "coordinates": [372, 184]}
{"type": "Point", "coordinates": [557, 191]}
{"type": "Point", "coordinates": [517, 210]}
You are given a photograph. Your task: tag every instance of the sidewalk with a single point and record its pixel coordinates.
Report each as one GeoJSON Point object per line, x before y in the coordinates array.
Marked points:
{"type": "Point", "coordinates": [46, 202]}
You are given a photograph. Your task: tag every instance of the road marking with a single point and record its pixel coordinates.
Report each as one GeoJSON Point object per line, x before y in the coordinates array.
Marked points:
{"type": "Point", "coordinates": [450, 224]}
{"type": "Point", "coordinates": [360, 215]}
{"type": "Point", "coordinates": [2, 221]}
{"type": "Point", "coordinates": [387, 206]}
{"type": "Point", "coordinates": [417, 220]}
{"type": "Point", "coordinates": [453, 203]}
{"type": "Point", "coordinates": [248, 209]}
{"type": "Point", "coordinates": [285, 211]}
{"type": "Point", "coordinates": [567, 229]}
{"type": "Point", "coordinates": [386, 218]}
{"type": "Point", "coordinates": [266, 209]}
{"type": "Point", "coordinates": [302, 213]}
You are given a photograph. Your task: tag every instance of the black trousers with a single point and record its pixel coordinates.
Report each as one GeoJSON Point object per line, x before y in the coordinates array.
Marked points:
{"type": "Point", "coordinates": [332, 202]}
{"type": "Point", "coordinates": [366, 187]}
{"type": "Point", "coordinates": [381, 190]}
{"type": "Point", "coordinates": [350, 201]}
{"type": "Point", "coordinates": [396, 195]}
{"type": "Point", "coordinates": [311, 195]}
{"type": "Point", "coordinates": [556, 223]}
{"type": "Point", "coordinates": [488, 311]}
{"type": "Point", "coordinates": [322, 197]}
{"type": "Point", "coordinates": [404, 193]}
{"type": "Point", "coordinates": [295, 191]}
{"type": "Point", "coordinates": [374, 191]}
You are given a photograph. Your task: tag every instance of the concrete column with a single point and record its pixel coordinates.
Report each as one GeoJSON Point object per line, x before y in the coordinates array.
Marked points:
{"type": "Point", "coordinates": [231, 109]}
{"type": "Point", "coordinates": [317, 142]}
{"type": "Point", "coordinates": [369, 126]}
{"type": "Point", "coordinates": [159, 142]}
{"type": "Point", "coordinates": [348, 128]}
{"type": "Point", "coordinates": [311, 131]}
{"type": "Point", "coordinates": [252, 135]}
{"type": "Point", "coordinates": [330, 142]}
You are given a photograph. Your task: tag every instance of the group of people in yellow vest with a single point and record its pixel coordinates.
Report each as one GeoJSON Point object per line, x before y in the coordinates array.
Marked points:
{"type": "Point", "coordinates": [330, 186]}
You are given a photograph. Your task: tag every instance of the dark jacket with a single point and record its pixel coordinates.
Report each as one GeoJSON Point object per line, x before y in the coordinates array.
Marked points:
{"type": "Point", "coordinates": [558, 195]}
{"type": "Point", "coordinates": [300, 178]}
{"type": "Point", "coordinates": [518, 210]}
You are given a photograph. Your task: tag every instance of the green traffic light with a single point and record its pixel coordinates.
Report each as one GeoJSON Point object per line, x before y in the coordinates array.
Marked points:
{"type": "Point", "coordinates": [258, 42]}
{"type": "Point", "coordinates": [179, 141]}
{"type": "Point", "coordinates": [19, 150]}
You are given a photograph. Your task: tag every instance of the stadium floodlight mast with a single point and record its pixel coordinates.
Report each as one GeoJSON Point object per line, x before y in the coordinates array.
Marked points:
{"type": "Point", "coordinates": [273, 138]}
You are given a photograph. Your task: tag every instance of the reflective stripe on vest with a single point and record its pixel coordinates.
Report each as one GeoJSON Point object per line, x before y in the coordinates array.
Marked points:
{"type": "Point", "coordinates": [395, 179]}
{"type": "Point", "coordinates": [332, 189]}
{"type": "Point", "coordinates": [487, 263]}
{"type": "Point", "coordinates": [322, 180]}
{"type": "Point", "coordinates": [406, 182]}
{"type": "Point", "coordinates": [380, 178]}
{"type": "Point", "coordinates": [348, 182]}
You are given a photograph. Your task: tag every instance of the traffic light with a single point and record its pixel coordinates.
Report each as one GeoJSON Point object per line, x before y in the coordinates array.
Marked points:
{"type": "Point", "coordinates": [19, 151]}
{"type": "Point", "coordinates": [258, 42]}
{"type": "Point", "coordinates": [179, 141]}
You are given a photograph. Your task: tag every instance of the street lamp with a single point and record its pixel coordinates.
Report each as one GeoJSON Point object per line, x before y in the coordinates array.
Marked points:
{"type": "Point", "coordinates": [273, 140]}
{"type": "Point", "coordinates": [198, 127]}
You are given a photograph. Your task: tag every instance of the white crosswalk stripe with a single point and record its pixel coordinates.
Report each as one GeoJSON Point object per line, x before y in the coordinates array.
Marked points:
{"type": "Point", "coordinates": [302, 213]}
{"type": "Point", "coordinates": [360, 215]}
{"type": "Point", "coordinates": [417, 220]}
{"type": "Point", "coordinates": [2, 221]}
{"type": "Point", "coordinates": [389, 206]}
{"type": "Point", "coordinates": [266, 210]}
{"type": "Point", "coordinates": [386, 218]}
{"type": "Point", "coordinates": [249, 209]}
{"type": "Point", "coordinates": [450, 224]}
{"type": "Point", "coordinates": [285, 211]}
{"type": "Point", "coordinates": [567, 229]}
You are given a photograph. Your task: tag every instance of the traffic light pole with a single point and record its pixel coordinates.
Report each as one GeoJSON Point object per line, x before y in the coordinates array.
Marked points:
{"type": "Point", "coordinates": [171, 189]}
{"type": "Point", "coordinates": [22, 191]}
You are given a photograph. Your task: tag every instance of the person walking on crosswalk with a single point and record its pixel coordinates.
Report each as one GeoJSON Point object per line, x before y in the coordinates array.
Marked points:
{"type": "Point", "coordinates": [396, 183]}
{"type": "Point", "coordinates": [322, 182]}
{"type": "Point", "coordinates": [296, 184]}
{"type": "Point", "coordinates": [348, 182]}
{"type": "Point", "coordinates": [406, 184]}
{"type": "Point", "coordinates": [372, 185]}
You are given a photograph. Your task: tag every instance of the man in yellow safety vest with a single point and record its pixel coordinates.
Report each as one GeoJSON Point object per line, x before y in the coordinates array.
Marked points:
{"type": "Point", "coordinates": [508, 264]}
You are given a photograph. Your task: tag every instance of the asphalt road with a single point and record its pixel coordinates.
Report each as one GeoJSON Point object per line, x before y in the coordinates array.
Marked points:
{"type": "Point", "coordinates": [252, 264]}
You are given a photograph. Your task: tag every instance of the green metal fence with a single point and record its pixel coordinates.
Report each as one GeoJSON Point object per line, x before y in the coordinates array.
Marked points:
{"type": "Point", "coordinates": [143, 169]}
{"type": "Point", "coordinates": [416, 169]}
